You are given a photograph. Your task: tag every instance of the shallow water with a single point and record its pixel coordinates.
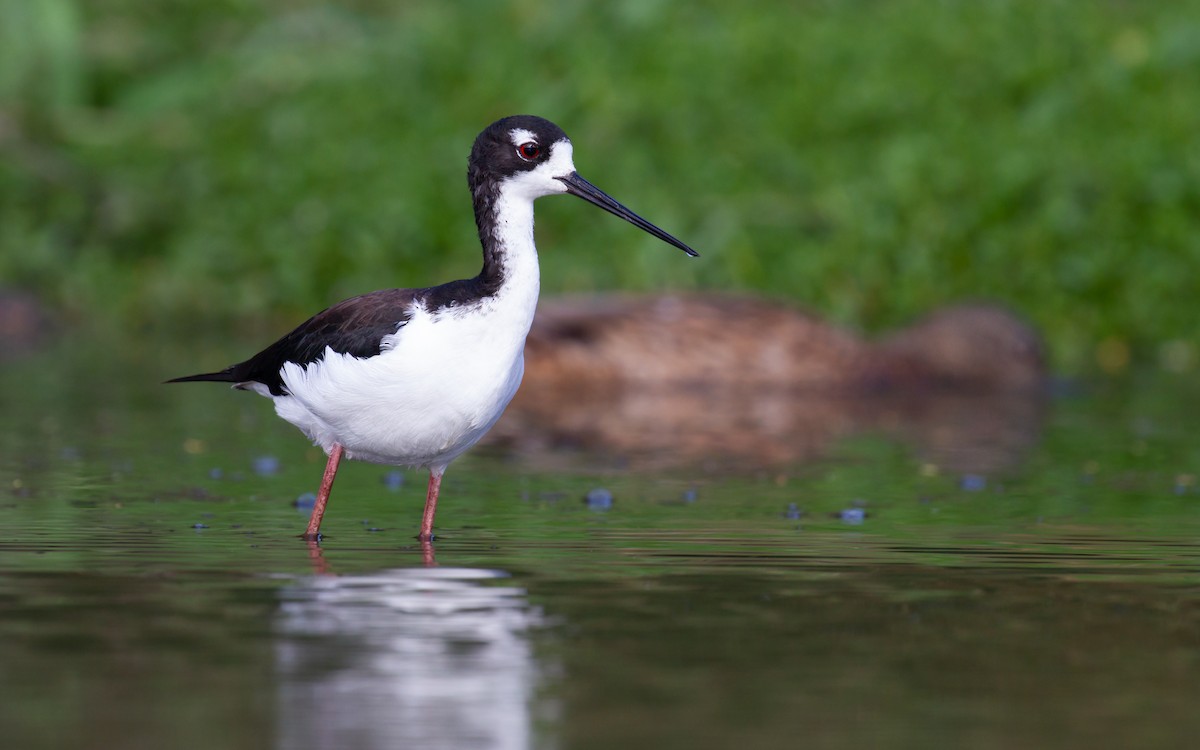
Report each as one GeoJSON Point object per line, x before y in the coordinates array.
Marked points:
{"type": "Point", "coordinates": [153, 594]}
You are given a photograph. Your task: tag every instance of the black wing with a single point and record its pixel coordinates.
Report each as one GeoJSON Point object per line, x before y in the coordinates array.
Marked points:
{"type": "Point", "coordinates": [355, 326]}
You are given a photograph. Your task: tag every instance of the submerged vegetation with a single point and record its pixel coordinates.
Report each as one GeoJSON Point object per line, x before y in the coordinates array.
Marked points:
{"type": "Point", "coordinates": [243, 161]}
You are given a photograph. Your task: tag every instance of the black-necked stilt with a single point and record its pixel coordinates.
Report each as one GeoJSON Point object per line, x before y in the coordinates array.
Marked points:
{"type": "Point", "coordinates": [414, 377]}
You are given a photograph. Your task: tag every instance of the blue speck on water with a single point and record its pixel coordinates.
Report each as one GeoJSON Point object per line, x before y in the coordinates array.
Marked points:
{"type": "Point", "coordinates": [216, 472]}
{"type": "Point", "coordinates": [598, 499]}
{"type": "Point", "coordinates": [393, 480]}
{"type": "Point", "coordinates": [307, 500]}
{"type": "Point", "coordinates": [972, 482]}
{"type": "Point", "coordinates": [265, 466]}
{"type": "Point", "coordinates": [853, 516]}
{"type": "Point", "coordinates": [793, 512]}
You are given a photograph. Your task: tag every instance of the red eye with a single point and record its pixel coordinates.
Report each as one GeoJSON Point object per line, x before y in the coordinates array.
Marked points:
{"type": "Point", "coordinates": [528, 151]}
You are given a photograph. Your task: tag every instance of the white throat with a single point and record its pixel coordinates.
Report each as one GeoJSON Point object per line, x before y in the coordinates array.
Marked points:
{"type": "Point", "coordinates": [516, 252]}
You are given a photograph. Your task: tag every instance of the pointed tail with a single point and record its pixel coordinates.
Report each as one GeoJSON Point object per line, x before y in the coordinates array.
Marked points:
{"type": "Point", "coordinates": [224, 376]}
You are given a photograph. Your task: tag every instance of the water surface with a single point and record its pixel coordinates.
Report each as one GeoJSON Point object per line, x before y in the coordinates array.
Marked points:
{"type": "Point", "coordinates": [869, 593]}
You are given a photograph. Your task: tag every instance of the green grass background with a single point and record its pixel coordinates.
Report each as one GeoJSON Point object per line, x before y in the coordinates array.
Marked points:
{"type": "Point", "coordinates": [246, 162]}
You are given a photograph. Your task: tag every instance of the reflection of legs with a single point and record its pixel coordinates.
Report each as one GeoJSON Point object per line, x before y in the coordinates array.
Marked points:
{"type": "Point", "coordinates": [431, 496]}
{"type": "Point", "coordinates": [316, 558]}
{"type": "Point", "coordinates": [314, 521]}
{"type": "Point", "coordinates": [427, 556]}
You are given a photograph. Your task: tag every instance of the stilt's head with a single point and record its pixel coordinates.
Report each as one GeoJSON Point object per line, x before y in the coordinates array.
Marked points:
{"type": "Point", "coordinates": [531, 157]}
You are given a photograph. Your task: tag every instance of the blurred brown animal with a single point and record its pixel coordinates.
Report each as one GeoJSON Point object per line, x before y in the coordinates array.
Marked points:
{"type": "Point", "coordinates": [677, 340]}
{"type": "Point", "coordinates": [734, 381]}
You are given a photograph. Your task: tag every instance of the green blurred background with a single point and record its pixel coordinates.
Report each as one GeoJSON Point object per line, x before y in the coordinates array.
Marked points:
{"type": "Point", "coordinates": [243, 163]}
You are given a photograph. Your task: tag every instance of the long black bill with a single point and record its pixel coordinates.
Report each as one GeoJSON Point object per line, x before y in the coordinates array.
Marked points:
{"type": "Point", "coordinates": [576, 185]}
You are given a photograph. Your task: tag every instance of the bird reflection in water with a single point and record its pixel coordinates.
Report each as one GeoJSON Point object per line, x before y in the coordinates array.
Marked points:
{"type": "Point", "coordinates": [419, 657]}
{"type": "Point", "coordinates": [738, 383]}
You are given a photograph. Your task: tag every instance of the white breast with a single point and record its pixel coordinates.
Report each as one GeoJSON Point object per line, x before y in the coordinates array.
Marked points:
{"type": "Point", "coordinates": [441, 383]}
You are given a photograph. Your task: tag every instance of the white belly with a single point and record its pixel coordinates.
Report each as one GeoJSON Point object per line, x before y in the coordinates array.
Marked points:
{"type": "Point", "coordinates": [440, 387]}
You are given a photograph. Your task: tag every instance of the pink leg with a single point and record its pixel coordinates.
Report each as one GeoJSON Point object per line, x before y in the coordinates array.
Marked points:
{"type": "Point", "coordinates": [431, 496]}
{"type": "Point", "coordinates": [314, 521]}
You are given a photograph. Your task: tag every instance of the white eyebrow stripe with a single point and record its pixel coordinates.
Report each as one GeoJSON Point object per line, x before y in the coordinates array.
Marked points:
{"type": "Point", "coordinates": [521, 135]}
